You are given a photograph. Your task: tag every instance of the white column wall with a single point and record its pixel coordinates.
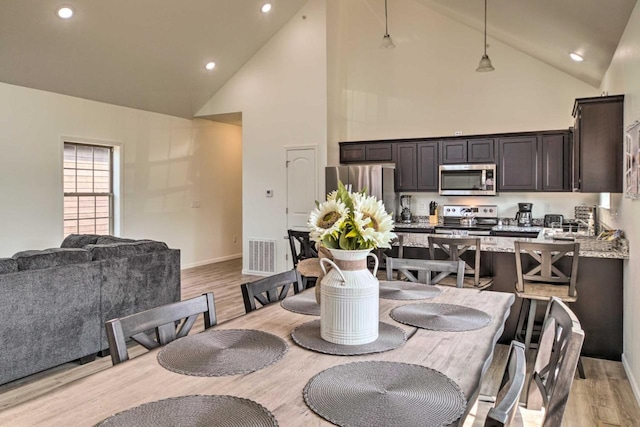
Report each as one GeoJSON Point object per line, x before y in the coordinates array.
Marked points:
{"type": "Point", "coordinates": [281, 92]}
{"type": "Point", "coordinates": [623, 78]}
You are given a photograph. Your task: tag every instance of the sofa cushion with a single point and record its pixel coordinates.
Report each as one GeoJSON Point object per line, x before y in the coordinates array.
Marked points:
{"type": "Point", "coordinates": [79, 240]}
{"type": "Point", "coordinates": [8, 265]}
{"type": "Point", "coordinates": [110, 240]}
{"type": "Point", "coordinates": [122, 250]}
{"type": "Point", "coordinates": [55, 257]}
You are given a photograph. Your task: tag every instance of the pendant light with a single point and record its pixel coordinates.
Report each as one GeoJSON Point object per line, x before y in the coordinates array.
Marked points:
{"type": "Point", "coordinates": [485, 62]}
{"type": "Point", "coordinates": [387, 43]}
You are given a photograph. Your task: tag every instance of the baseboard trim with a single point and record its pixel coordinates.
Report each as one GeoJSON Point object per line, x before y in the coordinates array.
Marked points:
{"type": "Point", "coordinates": [632, 379]}
{"type": "Point", "coordinates": [210, 261]}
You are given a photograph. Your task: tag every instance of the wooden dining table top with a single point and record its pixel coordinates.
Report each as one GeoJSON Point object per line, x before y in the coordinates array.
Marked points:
{"type": "Point", "coordinates": [462, 356]}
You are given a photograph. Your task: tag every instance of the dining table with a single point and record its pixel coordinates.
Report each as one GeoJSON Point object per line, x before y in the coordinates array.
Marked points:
{"type": "Point", "coordinates": [462, 356]}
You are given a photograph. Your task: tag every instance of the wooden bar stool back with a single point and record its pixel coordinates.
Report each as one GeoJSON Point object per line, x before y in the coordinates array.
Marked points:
{"type": "Point", "coordinates": [425, 271]}
{"type": "Point", "coordinates": [453, 248]}
{"type": "Point", "coordinates": [541, 278]}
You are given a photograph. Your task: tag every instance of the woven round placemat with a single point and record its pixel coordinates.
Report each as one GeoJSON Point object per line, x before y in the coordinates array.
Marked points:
{"type": "Point", "coordinates": [216, 353]}
{"type": "Point", "coordinates": [441, 317]}
{"type": "Point", "coordinates": [308, 336]}
{"type": "Point", "coordinates": [400, 290]}
{"type": "Point", "coordinates": [384, 394]}
{"type": "Point", "coordinates": [194, 411]}
{"type": "Point", "coordinates": [304, 303]}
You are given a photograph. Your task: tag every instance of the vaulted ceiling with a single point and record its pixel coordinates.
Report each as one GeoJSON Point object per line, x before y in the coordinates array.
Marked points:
{"type": "Point", "coordinates": [150, 54]}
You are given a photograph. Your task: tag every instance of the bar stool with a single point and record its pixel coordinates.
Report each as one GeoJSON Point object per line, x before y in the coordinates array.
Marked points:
{"type": "Point", "coordinates": [540, 278]}
{"type": "Point", "coordinates": [454, 247]}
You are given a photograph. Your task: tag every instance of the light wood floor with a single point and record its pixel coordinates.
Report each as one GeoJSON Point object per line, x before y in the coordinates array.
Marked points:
{"type": "Point", "coordinates": [604, 399]}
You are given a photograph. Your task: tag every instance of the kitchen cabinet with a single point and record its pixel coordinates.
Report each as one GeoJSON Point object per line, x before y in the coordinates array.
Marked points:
{"type": "Point", "coordinates": [598, 144]}
{"type": "Point", "coordinates": [458, 151]}
{"type": "Point", "coordinates": [417, 166]}
{"type": "Point", "coordinates": [427, 166]}
{"type": "Point", "coordinates": [518, 164]}
{"type": "Point", "coordinates": [353, 152]}
{"type": "Point", "coordinates": [556, 162]}
{"type": "Point", "coordinates": [406, 167]}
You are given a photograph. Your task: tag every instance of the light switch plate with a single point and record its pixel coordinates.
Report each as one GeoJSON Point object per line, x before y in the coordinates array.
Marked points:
{"type": "Point", "coordinates": [269, 193]}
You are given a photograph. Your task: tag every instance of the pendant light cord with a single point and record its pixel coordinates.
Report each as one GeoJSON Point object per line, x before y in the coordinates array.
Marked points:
{"type": "Point", "coordinates": [485, 26]}
{"type": "Point", "coordinates": [386, 26]}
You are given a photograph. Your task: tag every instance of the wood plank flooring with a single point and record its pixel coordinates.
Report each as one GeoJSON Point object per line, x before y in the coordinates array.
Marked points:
{"type": "Point", "coordinates": [604, 399]}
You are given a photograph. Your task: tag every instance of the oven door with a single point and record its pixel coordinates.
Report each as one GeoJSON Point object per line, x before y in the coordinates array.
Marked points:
{"type": "Point", "coordinates": [467, 180]}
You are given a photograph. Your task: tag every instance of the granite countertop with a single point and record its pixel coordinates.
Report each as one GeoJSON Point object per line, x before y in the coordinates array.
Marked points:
{"type": "Point", "coordinates": [589, 246]}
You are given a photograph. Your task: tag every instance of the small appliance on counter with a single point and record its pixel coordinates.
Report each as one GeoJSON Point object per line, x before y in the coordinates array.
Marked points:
{"type": "Point", "coordinates": [472, 220]}
{"type": "Point", "coordinates": [551, 219]}
{"type": "Point", "coordinates": [405, 203]}
{"type": "Point", "coordinates": [524, 215]}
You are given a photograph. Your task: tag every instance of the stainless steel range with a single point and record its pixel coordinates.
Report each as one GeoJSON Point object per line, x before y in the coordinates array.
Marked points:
{"type": "Point", "coordinates": [475, 220]}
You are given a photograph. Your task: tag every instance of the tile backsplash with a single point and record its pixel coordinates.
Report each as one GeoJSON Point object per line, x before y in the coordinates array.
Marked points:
{"type": "Point", "coordinates": [543, 203]}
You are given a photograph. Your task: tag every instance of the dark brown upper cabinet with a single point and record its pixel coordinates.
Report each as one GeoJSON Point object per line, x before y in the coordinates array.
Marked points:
{"type": "Point", "coordinates": [427, 166]}
{"type": "Point", "coordinates": [518, 165]}
{"type": "Point", "coordinates": [556, 162]}
{"type": "Point", "coordinates": [417, 166]}
{"type": "Point", "coordinates": [456, 151]}
{"type": "Point", "coordinates": [598, 144]}
{"type": "Point", "coordinates": [366, 152]}
{"type": "Point", "coordinates": [406, 167]}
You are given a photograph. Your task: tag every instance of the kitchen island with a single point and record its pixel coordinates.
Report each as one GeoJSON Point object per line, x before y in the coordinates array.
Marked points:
{"type": "Point", "coordinates": [599, 285]}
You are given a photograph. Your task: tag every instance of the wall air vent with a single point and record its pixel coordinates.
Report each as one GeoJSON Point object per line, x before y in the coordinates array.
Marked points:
{"type": "Point", "coordinates": [262, 256]}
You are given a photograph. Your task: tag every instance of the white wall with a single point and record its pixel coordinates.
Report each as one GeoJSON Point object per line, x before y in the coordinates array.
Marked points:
{"type": "Point", "coordinates": [282, 94]}
{"type": "Point", "coordinates": [168, 163]}
{"type": "Point", "coordinates": [623, 78]}
{"type": "Point", "coordinates": [427, 85]}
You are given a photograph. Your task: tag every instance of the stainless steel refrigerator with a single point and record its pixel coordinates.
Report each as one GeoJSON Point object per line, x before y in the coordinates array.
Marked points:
{"type": "Point", "coordinates": [379, 180]}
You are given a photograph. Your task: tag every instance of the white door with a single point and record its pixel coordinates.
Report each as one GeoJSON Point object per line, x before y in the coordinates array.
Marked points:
{"type": "Point", "coordinates": [302, 186]}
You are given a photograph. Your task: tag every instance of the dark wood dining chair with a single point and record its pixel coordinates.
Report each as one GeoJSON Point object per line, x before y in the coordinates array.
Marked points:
{"type": "Point", "coordinates": [169, 323]}
{"type": "Point", "coordinates": [302, 248]}
{"type": "Point", "coordinates": [269, 289]}
{"type": "Point", "coordinates": [429, 272]}
{"type": "Point", "coordinates": [453, 249]}
{"type": "Point", "coordinates": [513, 381]}
{"type": "Point", "coordinates": [556, 362]}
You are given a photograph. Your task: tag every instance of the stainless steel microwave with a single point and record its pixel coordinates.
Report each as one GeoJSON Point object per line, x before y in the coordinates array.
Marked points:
{"type": "Point", "coordinates": [467, 180]}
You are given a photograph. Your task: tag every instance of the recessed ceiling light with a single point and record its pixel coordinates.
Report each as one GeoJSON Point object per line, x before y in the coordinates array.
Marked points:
{"type": "Point", "coordinates": [210, 65]}
{"type": "Point", "coordinates": [65, 12]}
{"type": "Point", "coordinates": [576, 57]}
{"type": "Point", "coordinates": [266, 7]}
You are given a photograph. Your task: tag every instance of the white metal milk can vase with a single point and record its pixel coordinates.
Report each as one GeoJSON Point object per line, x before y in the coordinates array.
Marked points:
{"type": "Point", "coordinates": [349, 298]}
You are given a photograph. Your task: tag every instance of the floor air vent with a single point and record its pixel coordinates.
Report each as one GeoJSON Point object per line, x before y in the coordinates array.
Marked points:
{"type": "Point", "coordinates": [262, 256]}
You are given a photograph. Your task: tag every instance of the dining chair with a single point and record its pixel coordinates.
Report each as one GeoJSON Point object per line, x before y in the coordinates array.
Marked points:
{"type": "Point", "coordinates": [556, 362]}
{"type": "Point", "coordinates": [169, 322]}
{"type": "Point", "coordinates": [302, 248]}
{"type": "Point", "coordinates": [513, 381]}
{"type": "Point", "coordinates": [425, 270]}
{"type": "Point", "coordinates": [453, 249]}
{"type": "Point", "coordinates": [269, 289]}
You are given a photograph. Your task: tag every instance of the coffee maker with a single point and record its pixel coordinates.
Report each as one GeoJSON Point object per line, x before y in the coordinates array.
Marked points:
{"type": "Point", "coordinates": [405, 203]}
{"type": "Point", "coordinates": [524, 216]}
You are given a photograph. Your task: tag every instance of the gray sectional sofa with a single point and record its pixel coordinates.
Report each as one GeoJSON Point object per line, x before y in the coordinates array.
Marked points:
{"type": "Point", "coordinates": [54, 302]}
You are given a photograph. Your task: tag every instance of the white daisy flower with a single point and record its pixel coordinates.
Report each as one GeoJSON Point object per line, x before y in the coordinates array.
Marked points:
{"type": "Point", "coordinates": [373, 223]}
{"type": "Point", "coordinates": [327, 219]}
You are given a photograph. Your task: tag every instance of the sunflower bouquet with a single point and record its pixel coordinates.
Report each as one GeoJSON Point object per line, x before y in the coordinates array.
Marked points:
{"type": "Point", "coordinates": [351, 221]}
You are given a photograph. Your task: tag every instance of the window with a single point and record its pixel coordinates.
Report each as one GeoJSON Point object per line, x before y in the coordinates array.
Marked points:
{"type": "Point", "coordinates": [88, 189]}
